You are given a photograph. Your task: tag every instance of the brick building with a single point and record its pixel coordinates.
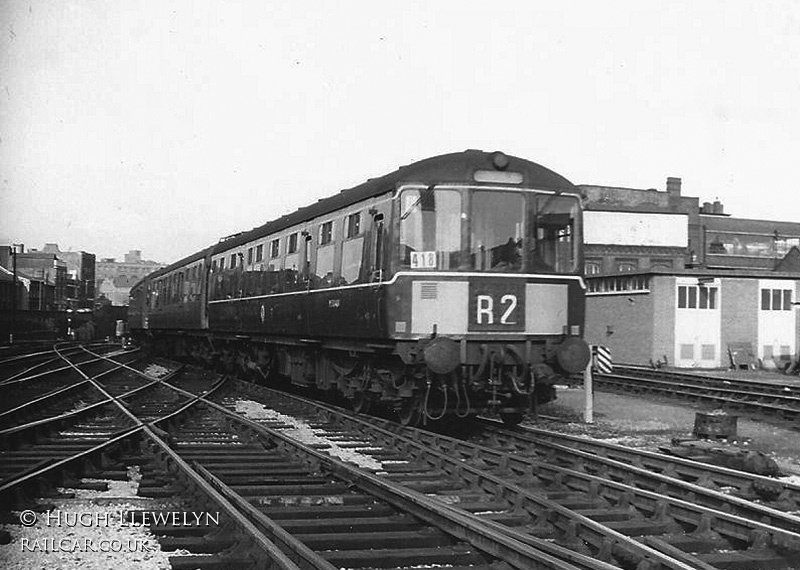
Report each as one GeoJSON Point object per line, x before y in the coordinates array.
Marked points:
{"type": "Point", "coordinates": [114, 279]}
{"type": "Point", "coordinates": [695, 318]}
{"type": "Point", "coordinates": [43, 276]}
{"type": "Point", "coordinates": [626, 229]}
{"type": "Point", "coordinates": [80, 283]}
{"type": "Point", "coordinates": [671, 281]}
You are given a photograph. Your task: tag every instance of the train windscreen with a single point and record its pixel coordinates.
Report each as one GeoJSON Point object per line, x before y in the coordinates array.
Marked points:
{"type": "Point", "coordinates": [488, 230]}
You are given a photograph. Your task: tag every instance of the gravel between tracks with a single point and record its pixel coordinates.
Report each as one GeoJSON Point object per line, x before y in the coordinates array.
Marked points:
{"type": "Point", "coordinates": [60, 541]}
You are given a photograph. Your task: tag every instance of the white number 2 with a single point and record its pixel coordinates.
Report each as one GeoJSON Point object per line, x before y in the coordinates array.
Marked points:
{"type": "Point", "coordinates": [485, 308]}
{"type": "Point", "coordinates": [512, 300]}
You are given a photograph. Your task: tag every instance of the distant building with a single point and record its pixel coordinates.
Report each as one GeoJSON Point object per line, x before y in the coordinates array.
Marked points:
{"type": "Point", "coordinates": [80, 284]}
{"type": "Point", "coordinates": [672, 282]}
{"type": "Point", "coordinates": [43, 275]}
{"type": "Point", "coordinates": [736, 243]}
{"type": "Point", "coordinates": [114, 279]}
{"type": "Point", "coordinates": [627, 229]}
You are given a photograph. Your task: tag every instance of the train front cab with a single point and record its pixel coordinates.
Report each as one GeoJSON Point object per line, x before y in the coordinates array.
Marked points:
{"type": "Point", "coordinates": [487, 295]}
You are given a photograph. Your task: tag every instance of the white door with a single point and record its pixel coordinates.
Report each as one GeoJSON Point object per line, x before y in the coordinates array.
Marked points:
{"type": "Point", "coordinates": [697, 323]}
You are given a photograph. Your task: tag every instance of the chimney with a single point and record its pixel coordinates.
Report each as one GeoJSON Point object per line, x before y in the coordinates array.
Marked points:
{"type": "Point", "coordinates": [718, 209]}
{"type": "Point", "coordinates": [706, 208]}
{"type": "Point", "coordinates": [673, 186]}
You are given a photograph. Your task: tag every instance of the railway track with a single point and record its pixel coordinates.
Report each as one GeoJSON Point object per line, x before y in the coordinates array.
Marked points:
{"type": "Point", "coordinates": [502, 499]}
{"type": "Point", "coordinates": [627, 517]}
{"type": "Point", "coordinates": [751, 495]}
{"type": "Point", "coordinates": [757, 399]}
{"type": "Point", "coordinates": [40, 451]}
{"type": "Point", "coordinates": [183, 457]}
{"type": "Point", "coordinates": [23, 363]}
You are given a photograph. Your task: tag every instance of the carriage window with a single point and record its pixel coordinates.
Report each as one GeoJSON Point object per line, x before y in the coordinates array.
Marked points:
{"type": "Point", "coordinates": [496, 236]}
{"type": "Point", "coordinates": [353, 225]}
{"type": "Point", "coordinates": [430, 228]}
{"type": "Point", "coordinates": [292, 247]}
{"type": "Point", "coordinates": [326, 233]}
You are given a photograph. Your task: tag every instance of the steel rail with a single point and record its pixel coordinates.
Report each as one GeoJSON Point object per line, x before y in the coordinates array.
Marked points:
{"type": "Point", "coordinates": [666, 484]}
{"type": "Point", "coordinates": [31, 368]}
{"type": "Point", "coordinates": [734, 526]}
{"type": "Point", "coordinates": [114, 438]}
{"type": "Point", "coordinates": [750, 384]}
{"type": "Point", "coordinates": [767, 405]}
{"type": "Point", "coordinates": [535, 553]}
{"type": "Point", "coordinates": [275, 532]}
{"type": "Point", "coordinates": [53, 419]}
{"type": "Point", "coordinates": [755, 388]}
{"type": "Point", "coordinates": [311, 561]}
{"type": "Point", "coordinates": [11, 381]}
{"type": "Point", "coordinates": [275, 554]}
{"type": "Point", "coordinates": [677, 467]}
{"type": "Point", "coordinates": [55, 393]}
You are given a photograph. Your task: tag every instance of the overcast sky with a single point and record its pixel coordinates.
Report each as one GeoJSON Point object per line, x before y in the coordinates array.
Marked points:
{"type": "Point", "coordinates": [163, 126]}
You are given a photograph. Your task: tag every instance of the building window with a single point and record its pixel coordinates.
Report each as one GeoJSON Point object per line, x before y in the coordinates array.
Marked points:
{"type": "Point", "coordinates": [259, 252]}
{"type": "Point", "coordinates": [233, 261]}
{"type": "Point", "coordinates": [591, 267]}
{"type": "Point", "coordinates": [326, 233]}
{"type": "Point", "coordinates": [776, 299]}
{"type": "Point", "coordinates": [221, 263]}
{"type": "Point", "coordinates": [626, 265]}
{"type": "Point", "coordinates": [766, 244]}
{"type": "Point", "coordinates": [275, 248]}
{"type": "Point", "coordinates": [621, 284]}
{"type": "Point", "coordinates": [292, 247]}
{"type": "Point", "coordinates": [249, 256]}
{"type": "Point", "coordinates": [695, 297]}
{"type": "Point", "coordinates": [353, 225]}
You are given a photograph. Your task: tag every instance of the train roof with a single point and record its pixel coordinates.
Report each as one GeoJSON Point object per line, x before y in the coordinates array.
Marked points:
{"type": "Point", "coordinates": [452, 167]}
{"type": "Point", "coordinates": [172, 266]}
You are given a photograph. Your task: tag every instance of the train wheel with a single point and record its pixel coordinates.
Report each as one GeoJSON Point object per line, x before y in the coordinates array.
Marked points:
{"type": "Point", "coordinates": [410, 412]}
{"type": "Point", "coordinates": [511, 418]}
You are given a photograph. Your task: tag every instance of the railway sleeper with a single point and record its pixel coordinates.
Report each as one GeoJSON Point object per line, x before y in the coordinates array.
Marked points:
{"type": "Point", "coordinates": [387, 522]}
{"type": "Point", "coordinates": [323, 511]}
{"type": "Point", "coordinates": [405, 557]}
{"type": "Point", "coordinates": [212, 562]}
{"type": "Point", "coordinates": [198, 544]}
{"type": "Point", "coordinates": [377, 540]}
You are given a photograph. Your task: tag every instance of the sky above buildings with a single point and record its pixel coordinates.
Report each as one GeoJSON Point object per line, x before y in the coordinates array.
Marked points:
{"type": "Point", "coordinates": [163, 126]}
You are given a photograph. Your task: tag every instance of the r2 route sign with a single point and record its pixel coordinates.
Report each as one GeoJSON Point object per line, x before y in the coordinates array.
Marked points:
{"type": "Point", "coordinates": [497, 306]}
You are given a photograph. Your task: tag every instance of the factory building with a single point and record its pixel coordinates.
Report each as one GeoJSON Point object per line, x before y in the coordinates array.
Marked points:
{"type": "Point", "coordinates": [672, 282]}
{"type": "Point", "coordinates": [114, 279]}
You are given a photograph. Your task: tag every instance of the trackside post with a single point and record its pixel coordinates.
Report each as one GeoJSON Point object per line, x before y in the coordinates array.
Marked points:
{"type": "Point", "coordinates": [588, 391]}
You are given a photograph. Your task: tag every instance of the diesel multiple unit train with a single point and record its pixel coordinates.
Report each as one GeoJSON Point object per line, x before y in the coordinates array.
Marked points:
{"type": "Point", "coordinates": [448, 288]}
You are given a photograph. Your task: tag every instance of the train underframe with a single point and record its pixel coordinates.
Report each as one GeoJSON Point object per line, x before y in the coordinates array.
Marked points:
{"type": "Point", "coordinates": [418, 381]}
